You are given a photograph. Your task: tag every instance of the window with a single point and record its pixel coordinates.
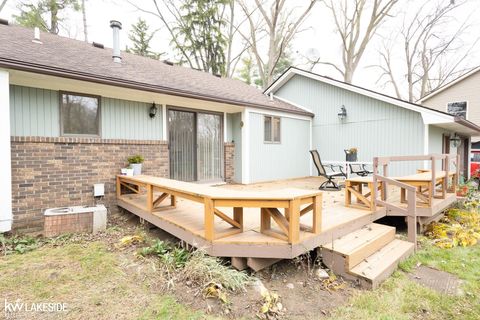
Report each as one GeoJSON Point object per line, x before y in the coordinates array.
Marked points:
{"type": "Point", "coordinates": [458, 109]}
{"type": "Point", "coordinates": [80, 115]}
{"type": "Point", "coordinates": [271, 129]}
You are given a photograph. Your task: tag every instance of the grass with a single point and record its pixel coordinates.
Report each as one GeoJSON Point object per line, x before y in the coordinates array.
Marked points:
{"type": "Point", "coordinates": [401, 298]}
{"type": "Point", "coordinates": [95, 282]}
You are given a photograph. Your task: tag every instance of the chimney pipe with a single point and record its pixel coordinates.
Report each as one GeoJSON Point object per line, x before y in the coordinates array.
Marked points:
{"type": "Point", "coordinates": [116, 27]}
{"type": "Point", "coordinates": [36, 35]}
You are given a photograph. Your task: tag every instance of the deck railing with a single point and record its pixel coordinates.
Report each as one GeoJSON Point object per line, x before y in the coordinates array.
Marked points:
{"type": "Point", "coordinates": [410, 211]}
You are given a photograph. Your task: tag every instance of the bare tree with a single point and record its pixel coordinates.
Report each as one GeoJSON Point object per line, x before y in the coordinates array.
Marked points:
{"type": "Point", "coordinates": [278, 24]}
{"type": "Point", "coordinates": [356, 23]}
{"type": "Point", "coordinates": [84, 19]}
{"type": "Point", "coordinates": [431, 53]}
{"type": "Point", "coordinates": [2, 4]}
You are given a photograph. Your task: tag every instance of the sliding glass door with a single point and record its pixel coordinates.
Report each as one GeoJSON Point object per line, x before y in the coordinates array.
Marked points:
{"type": "Point", "coordinates": [195, 145]}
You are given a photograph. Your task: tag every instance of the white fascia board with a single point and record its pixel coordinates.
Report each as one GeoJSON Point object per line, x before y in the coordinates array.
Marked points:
{"type": "Point", "coordinates": [293, 104]}
{"type": "Point", "coordinates": [6, 215]}
{"type": "Point", "coordinates": [429, 116]}
{"type": "Point", "coordinates": [279, 114]}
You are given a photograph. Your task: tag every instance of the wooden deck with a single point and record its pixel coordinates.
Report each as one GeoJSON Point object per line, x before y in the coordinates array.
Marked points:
{"type": "Point", "coordinates": [186, 218]}
{"type": "Point", "coordinates": [186, 221]}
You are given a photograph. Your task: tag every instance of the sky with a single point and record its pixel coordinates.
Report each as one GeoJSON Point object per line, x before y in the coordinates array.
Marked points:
{"type": "Point", "coordinates": [317, 36]}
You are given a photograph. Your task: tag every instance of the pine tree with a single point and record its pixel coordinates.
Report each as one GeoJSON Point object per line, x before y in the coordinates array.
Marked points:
{"type": "Point", "coordinates": [140, 38]}
{"type": "Point", "coordinates": [35, 15]}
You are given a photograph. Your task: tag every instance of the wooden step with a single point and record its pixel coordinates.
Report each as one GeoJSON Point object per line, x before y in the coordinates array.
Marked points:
{"type": "Point", "coordinates": [380, 265]}
{"type": "Point", "coordinates": [358, 245]}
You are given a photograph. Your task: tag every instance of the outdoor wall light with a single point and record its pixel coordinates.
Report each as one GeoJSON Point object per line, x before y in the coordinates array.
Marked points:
{"type": "Point", "coordinates": [455, 140]}
{"type": "Point", "coordinates": [153, 110]}
{"type": "Point", "coordinates": [343, 113]}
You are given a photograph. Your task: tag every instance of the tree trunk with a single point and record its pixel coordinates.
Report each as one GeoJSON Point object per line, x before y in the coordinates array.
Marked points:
{"type": "Point", "coordinates": [84, 16]}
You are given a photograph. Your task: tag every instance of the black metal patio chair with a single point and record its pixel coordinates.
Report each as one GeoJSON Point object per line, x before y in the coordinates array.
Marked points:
{"type": "Point", "coordinates": [357, 168]}
{"type": "Point", "coordinates": [330, 175]}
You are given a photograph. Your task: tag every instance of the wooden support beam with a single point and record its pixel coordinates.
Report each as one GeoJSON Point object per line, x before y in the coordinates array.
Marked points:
{"type": "Point", "coordinates": [118, 187]}
{"type": "Point", "coordinates": [126, 185]}
{"type": "Point", "coordinates": [226, 218]}
{"type": "Point", "coordinates": [317, 214]}
{"type": "Point", "coordinates": [159, 199]}
{"type": "Point", "coordinates": [294, 221]}
{"type": "Point", "coordinates": [265, 222]}
{"type": "Point", "coordinates": [279, 219]}
{"type": "Point", "coordinates": [257, 264]}
{"type": "Point", "coordinates": [149, 198]}
{"type": "Point", "coordinates": [239, 263]}
{"type": "Point", "coordinates": [238, 216]}
{"type": "Point", "coordinates": [209, 219]}
{"type": "Point", "coordinates": [306, 209]}
{"type": "Point", "coordinates": [173, 200]}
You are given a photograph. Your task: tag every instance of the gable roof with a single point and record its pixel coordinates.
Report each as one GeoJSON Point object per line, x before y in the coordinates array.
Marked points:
{"type": "Point", "coordinates": [430, 116]}
{"type": "Point", "coordinates": [450, 84]}
{"type": "Point", "coordinates": [69, 58]}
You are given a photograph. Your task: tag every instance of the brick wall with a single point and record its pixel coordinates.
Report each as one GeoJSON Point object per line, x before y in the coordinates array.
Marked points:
{"type": "Point", "coordinates": [57, 172]}
{"type": "Point", "coordinates": [229, 162]}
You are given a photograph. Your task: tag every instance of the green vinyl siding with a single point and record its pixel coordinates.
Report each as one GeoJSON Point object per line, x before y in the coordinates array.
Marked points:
{"type": "Point", "coordinates": [35, 112]}
{"type": "Point", "coordinates": [375, 127]}
{"type": "Point", "coordinates": [287, 159]}
{"type": "Point", "coordinates": [122, 119]}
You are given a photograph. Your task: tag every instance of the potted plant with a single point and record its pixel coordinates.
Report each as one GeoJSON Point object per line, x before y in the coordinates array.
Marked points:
{"type": "Point", "coordinates": [462, 190]}
{"type": "Point", "coordinates": [128, 171]}
{"type": "Point", "coordinates": [351, 154]}
{"type": "Point", "coordinates": [136, 164]}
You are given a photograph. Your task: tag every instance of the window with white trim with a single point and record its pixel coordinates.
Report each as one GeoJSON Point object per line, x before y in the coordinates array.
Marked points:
{"type": "Point", "coordinates": [271, 129]}
{"type": "Point", "coordinates": [458, 109]}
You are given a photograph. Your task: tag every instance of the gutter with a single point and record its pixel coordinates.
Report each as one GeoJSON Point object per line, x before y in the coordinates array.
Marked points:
{"type": "Point", "coordinates": [467, 124]}
{"type": "Point", "coordinates": [75, 75]}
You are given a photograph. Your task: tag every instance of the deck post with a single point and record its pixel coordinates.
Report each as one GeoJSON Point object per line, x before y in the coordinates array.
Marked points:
{"type": "Point", "coordinates": [317, 214]}
{"type": "Point", "coordinates": [209, 219]}
{"type": "Point", "coordinates": [375, 183]}
{"type": "Point", "coordinates": [447, 175]}
{"type": "Point", "coordinates": [238, 216]}
{"type": "Point", "coordinates": [294, 221]}
{"type": "Point", "coordinates": [434, 180]}
{"type": "Point", "coordinates": [149, 198]}
{"type": "Point", "coordinates": [265, 222]}
{"type": "Point", "coordinates": [173, 201]}
{"type": "Point", "coordinates": [385, 174]}
{"type": "Point", "coordinates": [412, 218]}
{"type": "Point", "coordinates": [119, 188]}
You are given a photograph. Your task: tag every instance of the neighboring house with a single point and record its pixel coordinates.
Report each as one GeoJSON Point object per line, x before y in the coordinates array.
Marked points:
{"type": "Point", "coordinates": [71, 115]}
{"type": "Point", "coordinates": [376, 124]}
{"type": "Point", "coordinates": [460, 97]}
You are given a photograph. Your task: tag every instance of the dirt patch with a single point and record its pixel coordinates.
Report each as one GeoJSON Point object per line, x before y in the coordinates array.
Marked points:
{"type": "Point", "coordinates": [440, 281]}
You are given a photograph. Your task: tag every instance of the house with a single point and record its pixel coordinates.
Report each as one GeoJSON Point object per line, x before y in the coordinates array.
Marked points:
{"type": "Point", "coordinates": [72, 112]}
{"type": "Point", "coordinates": [459, 97]}
{"type": "Point", "coordinates": [374, 123]}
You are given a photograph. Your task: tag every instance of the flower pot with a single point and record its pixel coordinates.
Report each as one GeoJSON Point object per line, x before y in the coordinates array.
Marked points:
{"type": "Point", "coordinates": [351, 157]}
{"type": "Point", "coordinates": [129, 172]}
{"type": "Point", "coordinates": [137, 168]}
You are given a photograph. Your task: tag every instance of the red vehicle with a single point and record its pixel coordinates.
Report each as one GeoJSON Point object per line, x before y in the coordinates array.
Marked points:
{"type": "Point", "coordinates": [475, 163]}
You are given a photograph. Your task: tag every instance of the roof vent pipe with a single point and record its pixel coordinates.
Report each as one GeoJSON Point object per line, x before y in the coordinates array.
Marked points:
{"type": "Point", "coordinates": [271, 96]}
{"type": "Point", "coordinates": [116, 27]}
{"type": "Point", "coordinates": [36, 35]}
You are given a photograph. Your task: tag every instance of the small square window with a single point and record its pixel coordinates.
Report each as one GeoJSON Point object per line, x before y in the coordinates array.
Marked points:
{"type": "Point", "coordinates": [271, 129]}
{"type": "Point", "coordinates": [80, 115]}
{"type": "Point", "coordinates": [458, 109]}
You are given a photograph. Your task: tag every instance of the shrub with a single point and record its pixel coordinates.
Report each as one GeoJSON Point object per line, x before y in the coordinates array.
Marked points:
{"type": "Point", "coordinates": [135, 159]}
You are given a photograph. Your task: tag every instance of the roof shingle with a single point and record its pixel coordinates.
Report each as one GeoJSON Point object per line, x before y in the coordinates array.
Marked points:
{"type": "Point", "coordinates": [75, 58]}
